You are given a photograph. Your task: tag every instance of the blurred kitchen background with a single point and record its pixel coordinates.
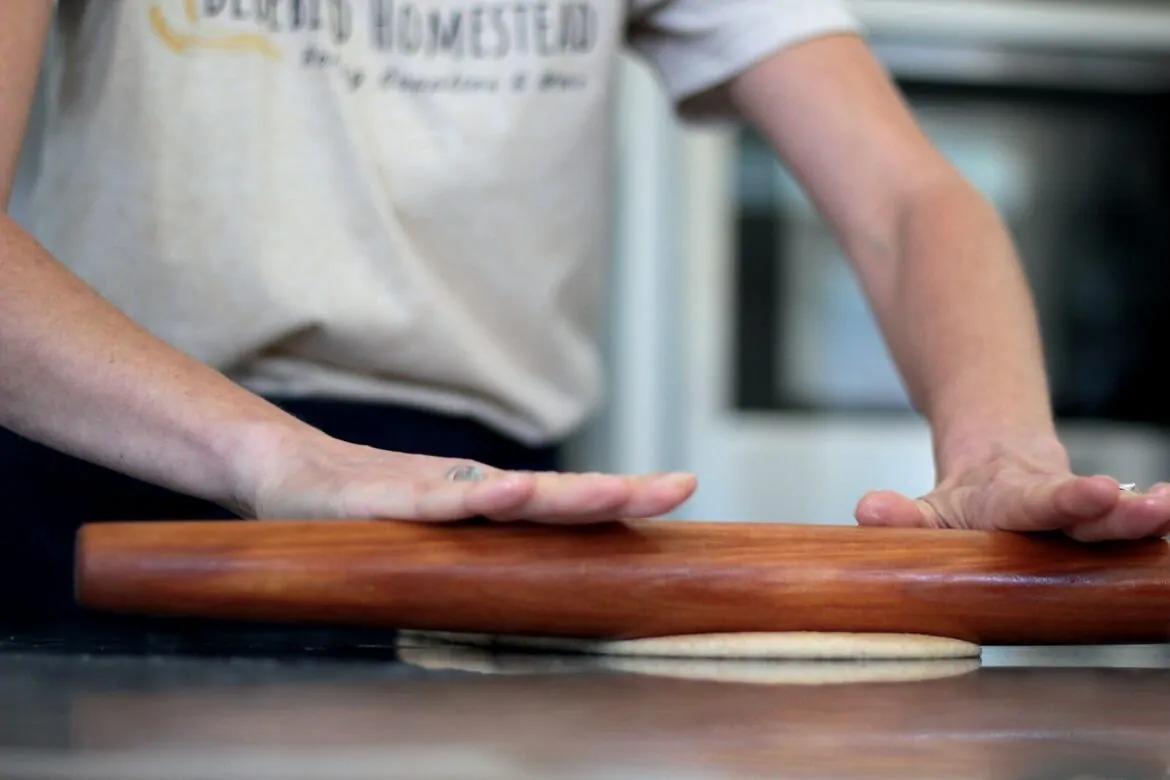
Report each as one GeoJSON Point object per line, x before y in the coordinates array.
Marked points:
{"type": "Point", "coordinates": [740, 346]}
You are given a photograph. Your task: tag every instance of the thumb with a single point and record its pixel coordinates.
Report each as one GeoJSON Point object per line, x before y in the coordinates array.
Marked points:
{"type": "Point", "coordinates": [891, 509]}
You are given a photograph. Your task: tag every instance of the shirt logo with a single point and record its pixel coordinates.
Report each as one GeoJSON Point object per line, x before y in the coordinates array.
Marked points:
{"type": "Point", "coordinates": [191, 36]}
{"type": "Point", "coordinates": [411, 46]}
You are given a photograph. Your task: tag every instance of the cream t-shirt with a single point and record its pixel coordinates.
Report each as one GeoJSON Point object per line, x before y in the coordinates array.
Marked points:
{"type": "Point", "coordinates": [399, 200]}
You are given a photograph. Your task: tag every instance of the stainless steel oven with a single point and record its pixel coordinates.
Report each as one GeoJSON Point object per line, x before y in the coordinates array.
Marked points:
{"type": "Point", "coordinates": [1083, 179]}
{"type": "Point", "coordinates": [1070, 139]}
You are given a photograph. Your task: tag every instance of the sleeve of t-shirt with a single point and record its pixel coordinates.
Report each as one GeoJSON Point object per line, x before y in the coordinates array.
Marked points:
{"type": "Point", "coordinates": [696, 45]}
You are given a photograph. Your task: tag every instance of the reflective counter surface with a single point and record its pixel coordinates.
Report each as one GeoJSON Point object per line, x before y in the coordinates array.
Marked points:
{"type": "Point", "coordinates": [245, 704]}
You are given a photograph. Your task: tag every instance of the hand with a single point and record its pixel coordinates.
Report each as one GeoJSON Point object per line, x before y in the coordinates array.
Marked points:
{"type": "Point", "coordinates": [317, 477]}
{"type": "Point", "coordinates": [1008, 493]}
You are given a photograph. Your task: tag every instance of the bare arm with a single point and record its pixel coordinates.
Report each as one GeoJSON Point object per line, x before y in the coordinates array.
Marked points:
{"type": "Point", "coordinates": [79, 376]}
{"type": "Point", "coordinates": [935, 259]}
{"type": "Point", "coordinates": [22, 44]}
{"type": "Point", "coordinates": [947, 287]}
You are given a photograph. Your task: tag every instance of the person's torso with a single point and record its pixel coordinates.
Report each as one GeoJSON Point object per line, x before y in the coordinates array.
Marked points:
{"type": "Point", "coordinates": [373, 198]}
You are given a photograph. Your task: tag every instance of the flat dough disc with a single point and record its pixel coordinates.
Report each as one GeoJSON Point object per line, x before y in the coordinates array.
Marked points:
{"type": "Point", "coordinates": [750, 672]}
{"type": "Point", "coordinates": [796, 645]}
{"type": "Point", "coordinates": [788, 672]}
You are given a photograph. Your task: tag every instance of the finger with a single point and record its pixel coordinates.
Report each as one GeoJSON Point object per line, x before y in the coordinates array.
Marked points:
{"type": "Point", "coordinates": [590, 498]}
{"type": "Point", "coordinates": [890, 509]}
{"type": "Point", "coordinates": [648, 496]}
{"type": "Point", "coordinates": [657, 494]}
{"type": "Point", "coordinates": [1056, 503]}
{"type": "Point", "coordinates": [1038, 505]}
{"type": "Point", "coordinates": [498, 493]}
{"type": "Point", "coordinates": [566, 498]}
{"type": "Point", "coordinates": [430, 495]}
{"type": "Point", "coordinates": [1136, 516]}
{"type": "Point", "coordinates": [1160, 488]}
{"type": "Point", "coordinates": [512, 496]}
{"type": "Point", "coordinates": [581, 498]}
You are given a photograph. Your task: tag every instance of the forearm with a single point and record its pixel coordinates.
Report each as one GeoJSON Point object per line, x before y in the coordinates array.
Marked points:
{"type": "Point", "coordinates": [935, 259]}
{"type": "Point", "coordinates": [79, 376]}
{"type": "Point", "coordinates": [958, 314]}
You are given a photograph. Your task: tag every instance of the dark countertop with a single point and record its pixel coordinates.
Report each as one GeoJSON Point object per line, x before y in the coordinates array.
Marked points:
{"type": "Point", "coordinates": [191, 702]}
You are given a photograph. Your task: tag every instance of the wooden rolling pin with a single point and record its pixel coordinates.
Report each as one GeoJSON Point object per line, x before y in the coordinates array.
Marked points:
{"type": "Point", "coordinates": [635, 579]}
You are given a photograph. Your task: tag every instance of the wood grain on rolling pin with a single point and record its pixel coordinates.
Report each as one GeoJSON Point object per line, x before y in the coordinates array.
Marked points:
{"type": "Point", "coordinates": [644, 578]}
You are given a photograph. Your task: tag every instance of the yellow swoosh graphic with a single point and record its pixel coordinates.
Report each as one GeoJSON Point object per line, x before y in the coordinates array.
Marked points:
{"type": "Point", "coordinates": [181, 42]}
{"type": "Point", "coordinates": [192, 12]}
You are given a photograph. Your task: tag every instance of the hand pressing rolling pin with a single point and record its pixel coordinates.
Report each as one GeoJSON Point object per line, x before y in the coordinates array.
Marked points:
{"type": "Point", "coordinates": [317, 300]}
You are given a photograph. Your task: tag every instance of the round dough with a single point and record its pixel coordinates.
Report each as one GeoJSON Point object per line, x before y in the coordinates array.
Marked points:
{"type": "Point", "coordinates": [796, 672]}
{"type": "Point", "coordinates": [449, 657]}
{"type": "Point", "coordinates": [797, 645]}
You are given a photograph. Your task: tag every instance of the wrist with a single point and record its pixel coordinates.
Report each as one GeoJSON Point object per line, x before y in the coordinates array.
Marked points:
{"type": "Point", "coordinates": [1038, 446]}
{"type": "Point", "coordinates": [974, 423]}
{"type": "Point", "coordinates": [257, 453]}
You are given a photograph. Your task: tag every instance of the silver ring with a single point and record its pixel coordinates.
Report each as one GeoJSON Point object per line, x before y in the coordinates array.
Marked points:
{"type": "Point", "coordinates": [1129, 487]}
{"type": "Point", "coordinates": [465, 473]}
